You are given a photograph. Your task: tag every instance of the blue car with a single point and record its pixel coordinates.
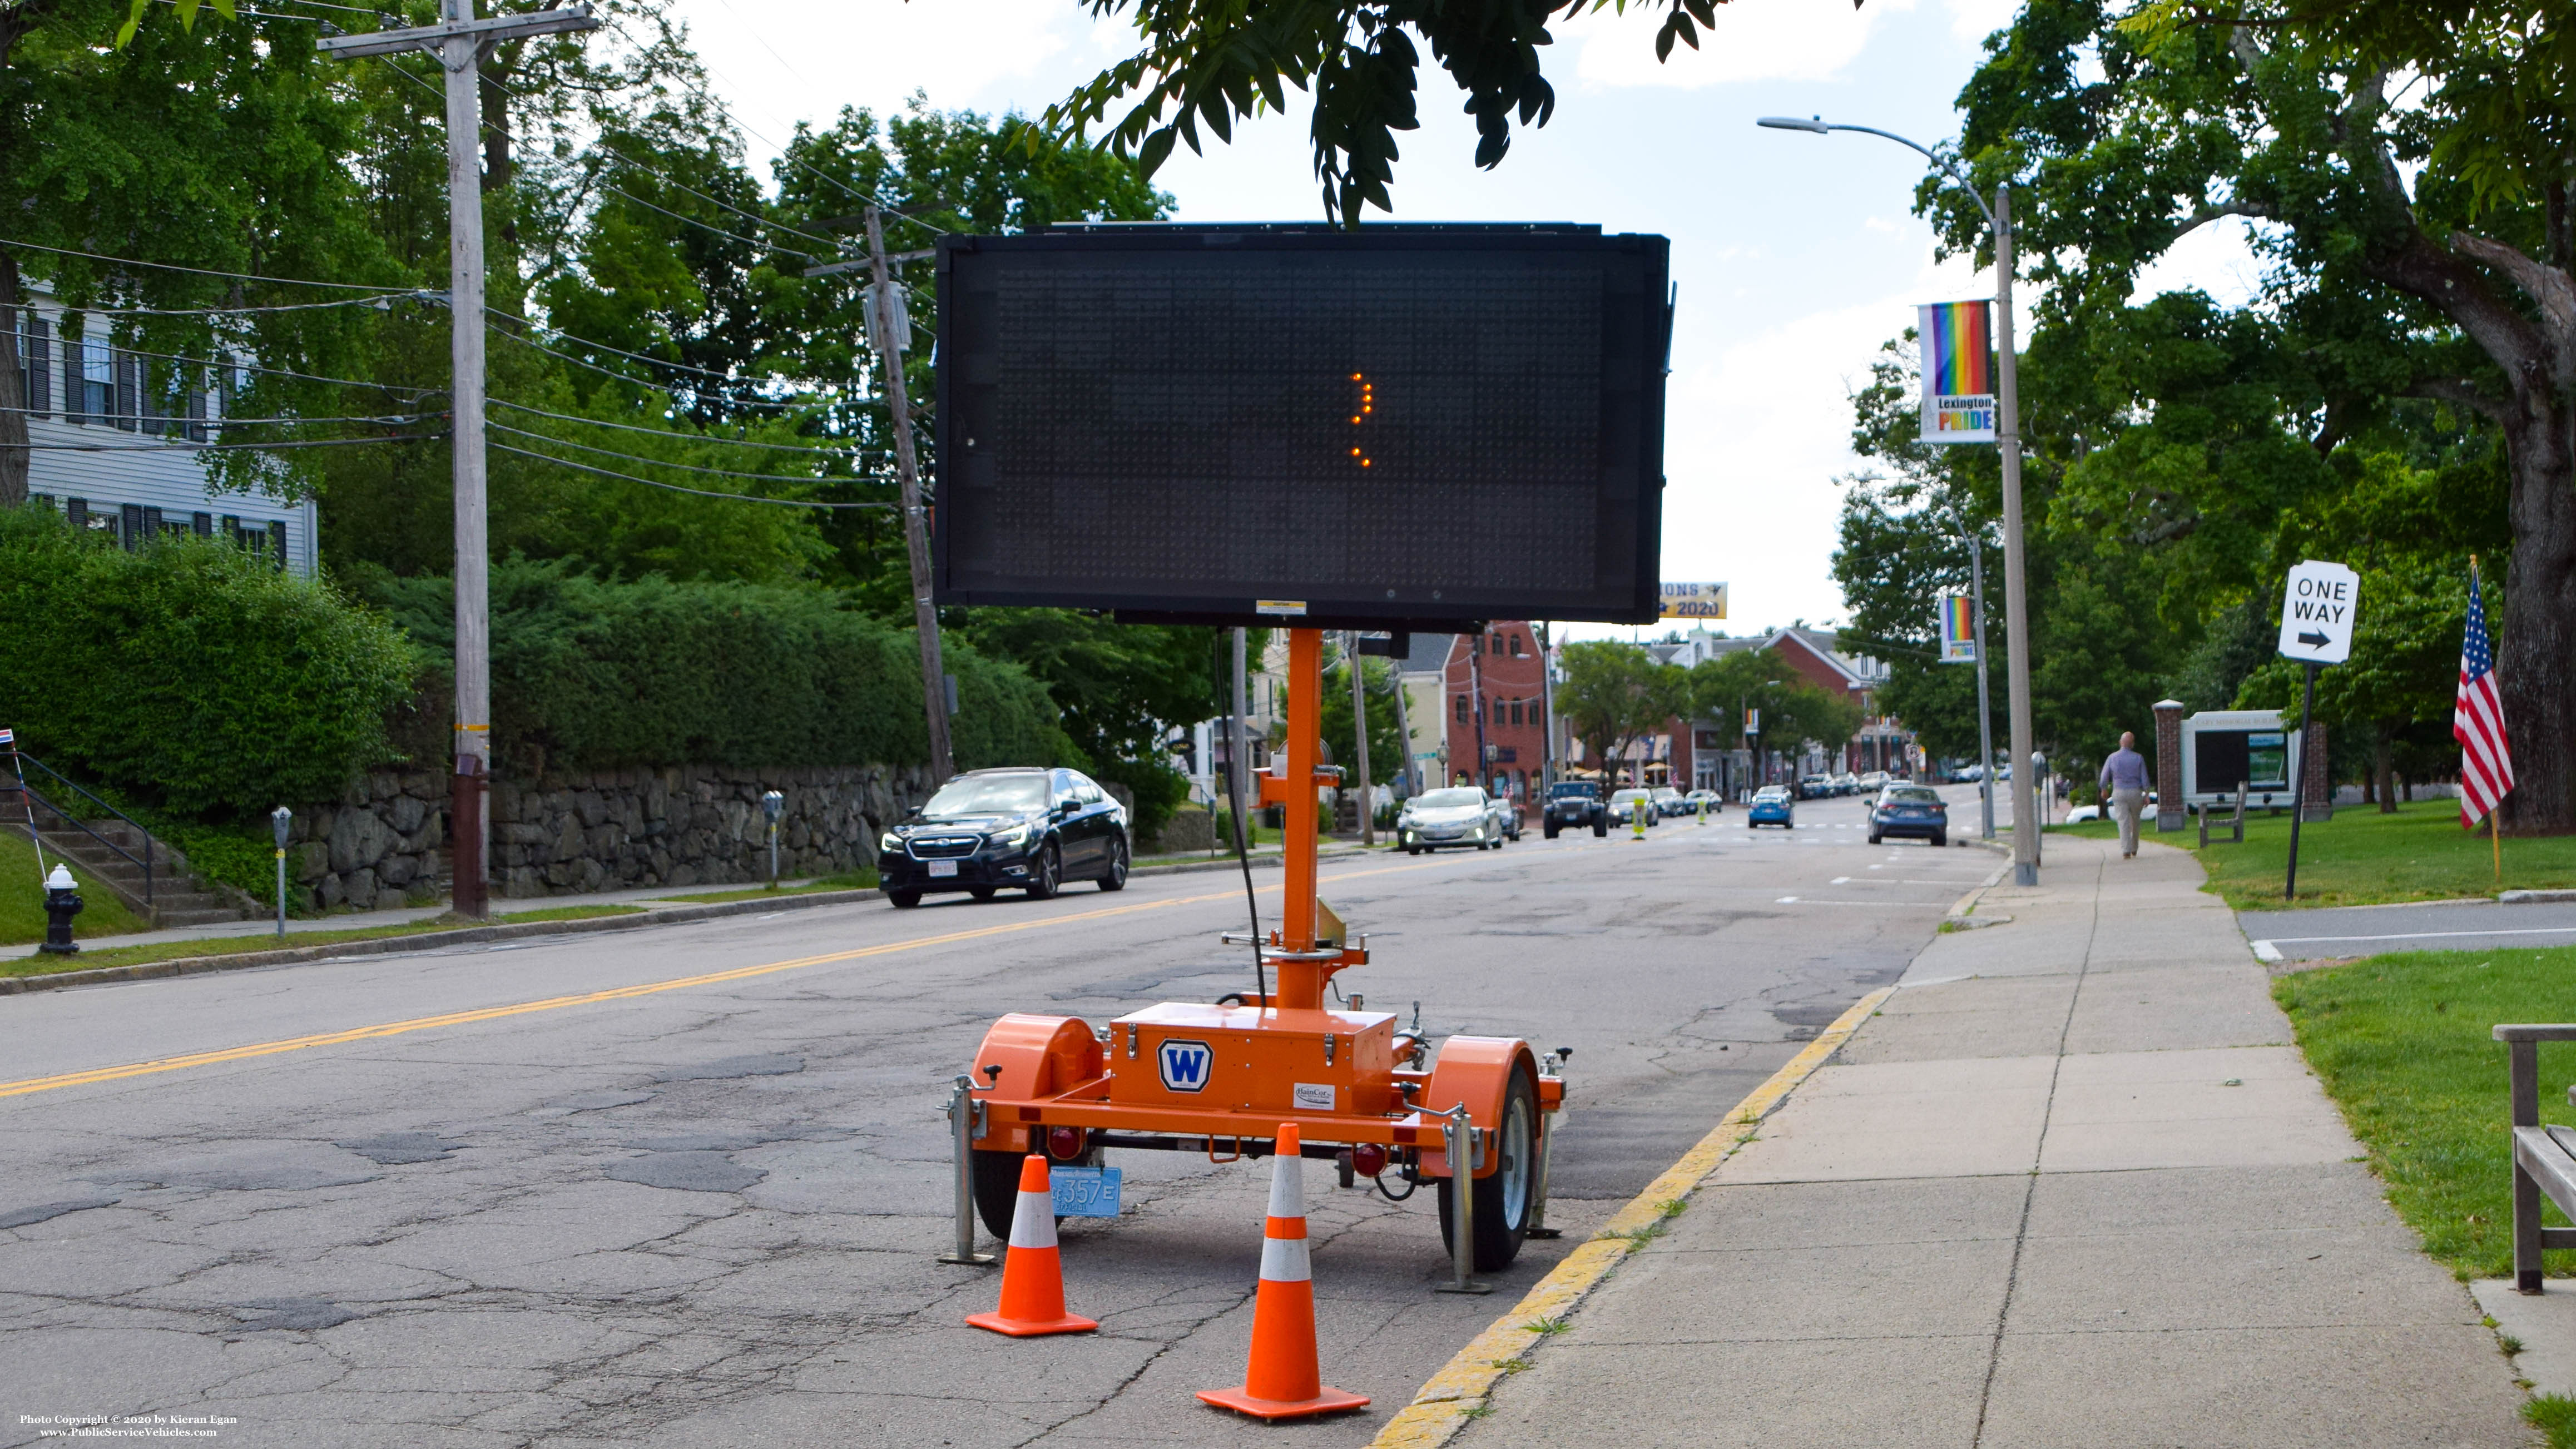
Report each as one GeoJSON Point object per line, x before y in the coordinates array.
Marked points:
{"type": "Point", "coordinates": [1772, 806]}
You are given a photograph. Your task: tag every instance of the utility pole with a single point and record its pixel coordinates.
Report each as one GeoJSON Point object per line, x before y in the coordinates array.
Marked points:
{"type": "Point", "coordinates": [457, 43]}
{"type": "Point", "coordinates": [1359, 737]}
{"type": "Point", "coordinates": [1546, 709]}
{"type": "Point", "coordinates": [884, 310]}
{"type": "Point", "coordinates": [1476, 701]}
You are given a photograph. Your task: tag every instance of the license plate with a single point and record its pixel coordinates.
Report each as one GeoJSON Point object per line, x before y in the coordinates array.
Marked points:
{"type": "Point", "coordinates": [942, 867]}
{"type": "Point", "coordinates": [1085, 1192]}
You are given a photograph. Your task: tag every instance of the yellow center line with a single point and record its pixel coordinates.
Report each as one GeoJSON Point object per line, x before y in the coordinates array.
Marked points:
{"type": "Point", "coordinates": [616, 993]}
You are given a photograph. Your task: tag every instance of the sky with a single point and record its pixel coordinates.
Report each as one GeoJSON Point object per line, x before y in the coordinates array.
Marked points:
{"type": "Point", "coordinates": [1797, 256]}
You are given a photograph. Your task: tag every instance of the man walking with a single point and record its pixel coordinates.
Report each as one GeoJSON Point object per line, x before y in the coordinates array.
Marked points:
{"type": "Point", "coordinates": [2124, 782]}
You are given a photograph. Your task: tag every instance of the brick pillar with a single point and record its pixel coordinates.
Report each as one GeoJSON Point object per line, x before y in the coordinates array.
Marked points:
{"type": "Point", "coordinates": [2312, 769]}
{"type": "Point", "coordinates": [2170, 814]}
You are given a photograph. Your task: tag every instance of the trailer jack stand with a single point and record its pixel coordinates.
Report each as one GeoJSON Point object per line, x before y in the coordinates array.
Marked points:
{"type": "Point", "coordinates": [965, 1116]}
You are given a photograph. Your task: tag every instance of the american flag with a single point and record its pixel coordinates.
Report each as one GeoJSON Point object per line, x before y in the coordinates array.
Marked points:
{"type": "Point", "coordinates": [2477, 720]}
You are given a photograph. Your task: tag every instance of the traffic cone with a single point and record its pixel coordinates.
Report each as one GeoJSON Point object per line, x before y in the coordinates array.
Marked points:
{"type": "Point", "coordinates": [1282, 1380]}
{"type": "Point", "coordinates": [1032, 1275]}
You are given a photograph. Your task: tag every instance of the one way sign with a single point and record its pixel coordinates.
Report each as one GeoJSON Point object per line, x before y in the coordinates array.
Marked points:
{"type": "Point", "coordinates": [2319, 612]}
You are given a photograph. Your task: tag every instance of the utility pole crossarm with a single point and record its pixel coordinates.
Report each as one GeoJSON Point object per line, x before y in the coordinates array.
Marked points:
{"type": "Point", "coordinates": [481, 32]}
{"type": "Point", "coordinates": [833, 269]}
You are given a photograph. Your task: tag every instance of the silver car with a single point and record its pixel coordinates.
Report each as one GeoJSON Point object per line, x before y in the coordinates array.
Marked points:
{"type": "Point", "coordinates": [1454, 816]}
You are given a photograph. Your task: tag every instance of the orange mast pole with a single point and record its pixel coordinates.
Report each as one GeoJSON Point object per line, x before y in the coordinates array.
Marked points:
{"type": "Point", "coordinates": [1305, 736]}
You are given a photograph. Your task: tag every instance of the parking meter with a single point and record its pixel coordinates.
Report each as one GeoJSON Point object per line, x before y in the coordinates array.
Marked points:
{"type": "Point", "coordinates": [773, 805]}
{"type": "Point", "coordinates": [278, 820]}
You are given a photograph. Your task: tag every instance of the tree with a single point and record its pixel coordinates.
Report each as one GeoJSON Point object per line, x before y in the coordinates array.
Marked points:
{"type": "Point", "coordinates": [1386, 746]}
{"type": "Point", "coordinates": [1213, 61]}
{"type": "Point", "coordinates": [1794, 711]}
{"type": "Point", "coordinates": [2457, 285]}
{"type": "Point", "coordinates": [1615, 694]}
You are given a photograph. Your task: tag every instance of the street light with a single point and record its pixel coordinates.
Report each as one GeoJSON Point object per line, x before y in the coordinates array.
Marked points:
{"type": "Point", "coordinates": [2008, 437]}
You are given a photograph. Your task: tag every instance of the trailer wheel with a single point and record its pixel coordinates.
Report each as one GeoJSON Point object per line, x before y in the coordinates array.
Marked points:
{"type": "Point", "coordinates": [1502, 1197]}
{"type": "Point", "coordinates": [997, 1190]}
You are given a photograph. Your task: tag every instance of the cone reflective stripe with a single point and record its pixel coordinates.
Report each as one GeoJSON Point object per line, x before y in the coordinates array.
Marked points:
{"type": "Point", "coordinates": [1033, 1273]}
{"type": "Point", "coordinates": [1282, 1379]}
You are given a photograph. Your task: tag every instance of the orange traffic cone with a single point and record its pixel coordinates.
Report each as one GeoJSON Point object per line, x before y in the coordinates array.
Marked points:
{"type": "Point", "coordinates": [1032, 1275]}
{"type": "Point", "coordinates": [1283, 1381]}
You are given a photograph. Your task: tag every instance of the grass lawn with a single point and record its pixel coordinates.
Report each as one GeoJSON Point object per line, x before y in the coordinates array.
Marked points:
{"type": "Point", "coordinates": [233, 945]}
{"type": "Point", "coordinates": [22, 899]}
{"type": "Point", "coordinates": [864, 878]}
{"type": "Point", "coordinates": [2363, 858]}
{"type": "Point", "coordinates": [2401, 1043]}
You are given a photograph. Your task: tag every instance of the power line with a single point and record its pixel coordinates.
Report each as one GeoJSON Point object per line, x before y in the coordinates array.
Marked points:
{"type": "Point", "coordinates": [272, 371]}
{"type": "Point", "coordinates": [381, 304]}
{"type": "Point", "coordinates": [683, 467]}
{"type": "Point", "coordinates": [531, 341]}
{"type": "Point", "coordinates": [201, 271]}
{"type": "Point", "coordinates": [683, 437]}
{"type": "Point", "coordinates": [676, 488]}
{"type": "Point", "coordinates": [218, 447]}
{"type": "Point", "coordinates": [710, 226]}
{"type": "Point", "coordinates": [393, 420]}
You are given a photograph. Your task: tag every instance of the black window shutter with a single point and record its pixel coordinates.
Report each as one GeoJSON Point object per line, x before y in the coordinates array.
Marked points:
{"type": "Point", "coordinates": [72, 376]}
{"type": "Point", "coordinates": [277, 544]}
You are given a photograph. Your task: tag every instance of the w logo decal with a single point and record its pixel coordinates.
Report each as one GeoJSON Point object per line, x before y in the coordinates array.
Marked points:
{"type": "Point", "coordinates": [1184, 1065]}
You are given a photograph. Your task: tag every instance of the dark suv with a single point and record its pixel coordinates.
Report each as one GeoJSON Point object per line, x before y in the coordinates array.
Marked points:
{"type": "Point", "coordinates": [1574, 805]}
{"type": "Point", "coordinates": [1027, 829]}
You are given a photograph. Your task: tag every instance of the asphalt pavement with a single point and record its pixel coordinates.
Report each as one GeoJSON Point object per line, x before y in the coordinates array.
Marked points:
{"type": "Point", "coordinates": [2347, 931]}
{"type": "Point", "coordinates": [685, 1186]}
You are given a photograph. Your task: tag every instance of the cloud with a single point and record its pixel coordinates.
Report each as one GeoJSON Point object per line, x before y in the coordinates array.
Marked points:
{"type": "Point", "coordinates": [1753, 40]}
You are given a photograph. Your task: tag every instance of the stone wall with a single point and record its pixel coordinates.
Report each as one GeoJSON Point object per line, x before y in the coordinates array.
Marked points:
{"type": "Point", "coordinates": [385, 841]}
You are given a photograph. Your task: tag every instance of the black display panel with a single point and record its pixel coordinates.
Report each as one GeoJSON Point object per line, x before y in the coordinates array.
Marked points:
{"type": "Point", "coordinates": [1404, 426]}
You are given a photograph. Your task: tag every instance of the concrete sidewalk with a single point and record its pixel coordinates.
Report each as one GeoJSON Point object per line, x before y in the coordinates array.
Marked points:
{"type": "Point", "coordinates": [2071, 1186]}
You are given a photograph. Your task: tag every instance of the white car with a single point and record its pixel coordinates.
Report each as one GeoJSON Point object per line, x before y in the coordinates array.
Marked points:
{"type": "Point", "coordinates": [1453, 816]}
{"type": "Point", "coordinates": [2083, 813]}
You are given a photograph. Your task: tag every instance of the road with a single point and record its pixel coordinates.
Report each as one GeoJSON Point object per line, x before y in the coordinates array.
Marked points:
{"type": "Point", "coordinates": [684, 1187]}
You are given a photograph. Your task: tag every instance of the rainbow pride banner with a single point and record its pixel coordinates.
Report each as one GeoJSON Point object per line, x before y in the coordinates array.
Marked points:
{"type": "Point", "coordinates": [1958, 372]}
{"type": "Point", "coordinates": [1958, 629]}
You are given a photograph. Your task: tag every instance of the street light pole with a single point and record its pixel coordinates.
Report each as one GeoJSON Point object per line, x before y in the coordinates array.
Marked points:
{"type": "Point", "coordinates": [1985, 716]}
{"type": "Point", "coordinates": [2008, 439]}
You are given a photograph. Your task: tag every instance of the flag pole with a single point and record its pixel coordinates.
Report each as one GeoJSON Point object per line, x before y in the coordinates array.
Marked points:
{"type": "Point", "coordinates": [2495, 829]}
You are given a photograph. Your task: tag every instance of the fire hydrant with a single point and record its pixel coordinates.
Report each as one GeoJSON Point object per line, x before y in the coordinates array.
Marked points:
{"type": "Point", "coordinates": [62, 902]}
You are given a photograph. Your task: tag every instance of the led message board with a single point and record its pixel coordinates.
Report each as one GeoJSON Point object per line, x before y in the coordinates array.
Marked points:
{"type": "Point", "coordinates": [1407, 426]}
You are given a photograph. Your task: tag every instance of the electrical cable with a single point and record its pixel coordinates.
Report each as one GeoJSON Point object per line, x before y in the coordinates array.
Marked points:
{"type": "Point", "coordinates": [700, 492]}
{"type": "Point", "coordinates": [382, 303]}
{"type": "Point", "coordinates": [1242, 854]}
{"type": "Point", "coordinates": [683, 467]}
{"type": "Point", "coordinates": [212, 447]}
{"type": "Point", "coordinates": [201, 271]}
{"type": "Point", "coordinates": [501, 402]}
{"type": "Point", "coordinates": [273, 371]}
{"type": "Point", "coordinates": [389, 420]}
{"type": "Point", "coordinates": [530, 341]}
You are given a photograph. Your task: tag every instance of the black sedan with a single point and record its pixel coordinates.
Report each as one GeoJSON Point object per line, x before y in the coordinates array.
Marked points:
{"type": "Point", "coordinates": [1909, 810]}
{"type": "Point", "coordinates": [1023, 829]}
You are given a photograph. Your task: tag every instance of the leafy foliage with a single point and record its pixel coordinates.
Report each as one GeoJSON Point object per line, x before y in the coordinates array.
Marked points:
{"type": "Point", "coordinates": [592, 674]}
{"type": "Point", "coordinates": [1794, 711]}
{"type": "Point", "coordinates": [190, 673]}
{"type": "Point", "coordinates": [1615, 694]}
{"type": "Point", "coordinates": [1209, 62]}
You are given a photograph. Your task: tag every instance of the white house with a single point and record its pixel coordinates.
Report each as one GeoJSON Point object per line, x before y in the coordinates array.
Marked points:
{"type": "Point", "coordinates": [117, 456]}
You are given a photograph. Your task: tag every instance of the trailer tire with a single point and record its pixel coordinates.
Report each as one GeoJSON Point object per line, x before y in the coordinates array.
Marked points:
{"type": "Point", "coordinates": [997, 1190]}
{"type": "Point", "coordinates": [1502, 1197]}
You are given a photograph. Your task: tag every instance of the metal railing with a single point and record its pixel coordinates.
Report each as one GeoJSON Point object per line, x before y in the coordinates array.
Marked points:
{"type": "Point", "coordinates": [17, 784]}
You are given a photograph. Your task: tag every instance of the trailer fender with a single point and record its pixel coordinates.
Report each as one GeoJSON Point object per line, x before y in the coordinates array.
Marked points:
{"type": "Point", "coordinates": [1476, 1070]}
{"type": "Point", "coordinates": [1039, 1057]}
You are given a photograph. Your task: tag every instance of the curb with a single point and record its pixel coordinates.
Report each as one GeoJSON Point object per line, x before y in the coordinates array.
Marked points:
{"type": "Point", "coordinates": [1453, 1395]}
{"type": "Point", "coordinates": [652, 915]}
{"type": "Point", "coordinates": [390, 945]}
{"type": "Point", "coordinates": [2533, 898]}
{"type": "Point", "coordinates": [1959, 917]}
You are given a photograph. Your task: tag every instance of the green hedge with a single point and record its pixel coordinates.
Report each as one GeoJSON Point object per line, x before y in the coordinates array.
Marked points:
{"type": "Point", "coordinates": [589, 674]}
{"type": "Point", "coordinates": [190, 674]}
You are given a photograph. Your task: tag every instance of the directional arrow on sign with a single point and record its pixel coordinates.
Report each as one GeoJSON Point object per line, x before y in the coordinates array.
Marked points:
{"type": "Point", "coordinates": [2320, 611]}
